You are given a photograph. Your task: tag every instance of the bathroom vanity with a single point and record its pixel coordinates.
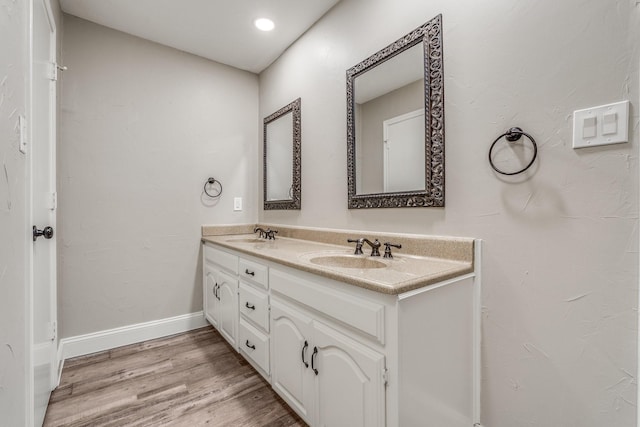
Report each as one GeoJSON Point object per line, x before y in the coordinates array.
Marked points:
{"type": "Point", "coordinates": [351, 340]}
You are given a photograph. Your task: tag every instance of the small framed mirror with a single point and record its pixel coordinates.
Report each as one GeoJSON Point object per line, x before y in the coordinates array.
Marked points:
{"type": "Point", "coordinates": [395, 123]}
{"type": "Point", "coordinates": [281, 162]}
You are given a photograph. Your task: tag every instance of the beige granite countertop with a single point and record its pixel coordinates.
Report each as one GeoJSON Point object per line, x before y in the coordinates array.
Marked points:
{"type": "Point", "coordinates": [412, 267]}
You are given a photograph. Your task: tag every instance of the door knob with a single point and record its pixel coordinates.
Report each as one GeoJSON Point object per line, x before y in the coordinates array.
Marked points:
{"type": "Point", "coordinates": [47, 232]}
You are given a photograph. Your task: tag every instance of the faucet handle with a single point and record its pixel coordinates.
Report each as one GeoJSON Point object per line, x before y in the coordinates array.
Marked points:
{"type": "Point", "coordinates": [358, 243]}
{"type": "Point", "coordinates": [261, 230]}
{"type": "Point", "coordinates": [270, 234]}
{"type": "Point", "coordinates": [387, 249]}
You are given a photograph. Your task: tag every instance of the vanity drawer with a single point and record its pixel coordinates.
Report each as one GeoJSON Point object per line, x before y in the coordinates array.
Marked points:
{"type": "Point", "coordinates": [363, 315]}
{"type": "Point", "coordinates": [257, 273]}
{"type": "Point", "coordinates": [250, 337]}
{"type": "Point", "coordinates": [223, 259]}
{"type": "Point", "coordinates": [254, 305]}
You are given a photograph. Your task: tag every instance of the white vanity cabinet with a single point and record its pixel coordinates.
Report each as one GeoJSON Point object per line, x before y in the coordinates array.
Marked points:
{"type": "Point", "coordinates": [220, 287]}
{"type": "Point", "coordinates": [253, 297]}
{"type": "Point", "coordinates": [328, 374]}
{"type": "Point", "coordinates": [343, 355]}
{"type": "Point", "coordinates": [236, 303]}
{"type": "Point", "coordinates": [381, 359]}
{"type": "Point", "coordinates": [227, 295]}
{"type": "Point", "coordinates": [210, 294]}
{"type": "Point", "coordinates": [291, 375]}
{"type": "Point", "coordinates": [350, 380]}
{"type": "Point", "coordinates": [328, 378]}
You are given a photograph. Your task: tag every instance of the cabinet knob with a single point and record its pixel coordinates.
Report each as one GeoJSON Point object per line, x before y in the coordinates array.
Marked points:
{"type": "Point", "coordinates": [250, 306]}
{"type": "Point", "coordinates": [251, 346]}
{"type": "Point", "coordinates": [250, 273]}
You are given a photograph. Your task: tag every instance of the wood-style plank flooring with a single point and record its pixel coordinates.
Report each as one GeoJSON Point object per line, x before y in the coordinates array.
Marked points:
{"type": "Point", "coordinates": [190, 379]}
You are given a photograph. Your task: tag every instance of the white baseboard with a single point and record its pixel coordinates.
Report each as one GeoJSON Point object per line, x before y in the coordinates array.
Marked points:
{"type": "Point", "coordinates": [112, 338]}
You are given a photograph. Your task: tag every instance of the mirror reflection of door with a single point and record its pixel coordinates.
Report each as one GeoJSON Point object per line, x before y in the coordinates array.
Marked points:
{"type": "Point", "coordinates": [371, 117]}
{"type": "Point", "coordinates": [404, 152]}
{"type": "Point", "coordinates": [279, 156]}
{"type": "Point", "coordinates": [387, 95]}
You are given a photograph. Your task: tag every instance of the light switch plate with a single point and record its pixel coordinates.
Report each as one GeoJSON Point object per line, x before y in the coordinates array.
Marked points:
{"type": "Point", "coordinates": [237, 203]}
{"type": "Point", "coordinates": [602, 125]}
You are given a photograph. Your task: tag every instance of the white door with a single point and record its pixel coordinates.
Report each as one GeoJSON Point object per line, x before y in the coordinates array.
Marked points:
{"type": "Point", "coordinates": [350, 389]}
{"type": "Point", "coordinates": [403, 157]}
{"type": "Point", "coordinates": [43, 187]}
{"type": "Point", "coordinates": [291, 374]}
{"type": "Point", "coordinates": [210, 295]}
{"type": "Point", "coordinates": [228, 307]}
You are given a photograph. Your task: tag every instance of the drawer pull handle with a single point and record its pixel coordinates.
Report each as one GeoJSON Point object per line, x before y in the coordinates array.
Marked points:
{"type": "Point", "coordinates": [306, 344]}
{"type": "Point", "coordinates": [250, 273]}
{"type": "Point", "coordinates": [251, 346]}
{"type": "Point", "coordinates": [250, 306]}
{"type": "Point", "coordinates": [315, 351]}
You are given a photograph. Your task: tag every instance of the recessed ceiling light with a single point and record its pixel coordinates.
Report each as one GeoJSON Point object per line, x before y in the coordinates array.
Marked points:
{"type": "Point", "coordinates": [264, 24]}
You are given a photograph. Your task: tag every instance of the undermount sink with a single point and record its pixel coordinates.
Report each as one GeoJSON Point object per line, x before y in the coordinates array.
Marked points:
{"type": "Point", "coordinates": [248, 240]}
{"type": "Point", "coordinates": [346, 261]}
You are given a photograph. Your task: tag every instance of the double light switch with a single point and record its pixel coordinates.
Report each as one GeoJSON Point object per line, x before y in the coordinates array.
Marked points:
{"type": "Point", "coordinates": [603, 125]}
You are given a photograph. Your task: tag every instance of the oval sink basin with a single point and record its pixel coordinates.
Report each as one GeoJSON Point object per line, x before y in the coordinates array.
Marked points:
{"type": "Point", "coordinates": [346, 261]}
{"type": "Point", "coordinates": [247, 240]}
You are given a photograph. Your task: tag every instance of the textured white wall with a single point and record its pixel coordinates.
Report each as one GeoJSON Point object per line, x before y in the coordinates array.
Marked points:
{"type": "Point", "coordinates": [561, 248]}
{"type": "Point", "coordinates": [14, 45]}
{"type": "Point", "coordinates": [142, 127]}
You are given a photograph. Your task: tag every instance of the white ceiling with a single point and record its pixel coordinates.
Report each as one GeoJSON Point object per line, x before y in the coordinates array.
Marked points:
{"type": "Point", "coordinates": [220, 30]}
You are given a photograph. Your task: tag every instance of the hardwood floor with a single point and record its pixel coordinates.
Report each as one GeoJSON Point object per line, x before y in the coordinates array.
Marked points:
{"type": "Point", "coordinates": [190, 379]}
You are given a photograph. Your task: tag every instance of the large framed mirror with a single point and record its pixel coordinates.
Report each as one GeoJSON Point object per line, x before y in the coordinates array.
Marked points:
{"type": "Point", "coordinates": [395, 123]}
{"type": "Point", "coordinates": [281, 158]}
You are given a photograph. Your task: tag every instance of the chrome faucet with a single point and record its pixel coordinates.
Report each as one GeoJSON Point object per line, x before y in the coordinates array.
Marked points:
{"type": "Point", "coordinates": [263, 232]}
{"type": "Point", "coordinates": [375, 245]}
{"type": "Point", "coordinates": [270, 234]}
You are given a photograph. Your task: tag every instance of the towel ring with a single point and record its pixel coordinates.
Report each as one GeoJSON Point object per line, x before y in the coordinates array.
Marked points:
{"type": "Point", "coordinates": [212, 181]}
{"type": "Point", "coordinates": [512, 135]}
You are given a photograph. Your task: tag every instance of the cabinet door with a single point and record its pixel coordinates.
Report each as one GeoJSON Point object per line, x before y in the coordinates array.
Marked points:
{"type": "Point", "coordinates": [228, 307]}
{"type": "Point", "coordinates": [210, 300]}
{"type": "Point", "coordinates": [349, 386]}
{"type": "Point", "coordinates": [291, 375]}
